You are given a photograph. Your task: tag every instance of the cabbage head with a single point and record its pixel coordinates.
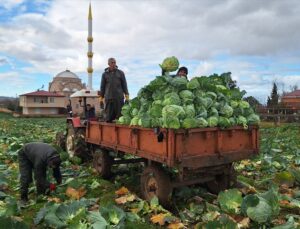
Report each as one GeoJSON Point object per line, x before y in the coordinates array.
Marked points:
{"type": "Point", "coordinates": [175, 111]}
{"type": "Point", "coordinates": [241, 120]}
{"type": "Point", "coordinates": [253, 119]}
{"type": "Point", "coordinates": [124, 120]}
{"type": "Point", "coordinates": [134, 121]}
{"type": "Point", "coordinates": [158, 82]}
{"type": "Point", "coordinates": [171, 122]}
{"type": "Point", "coordinates": [212, 121]}
{"type": "Point", "coordinates": [201, 122]}
{"type": "Point", "coordinates": [145, 121]}
{"type": "Point", "coordinates": [125, 110]}
{"type": "Point", "coordinates": [190, 111]}
{"type": "Point", "coordinates": [155, 111]}
{"type": "Point", "coordinates": [244, 104]}
{"type": "Point", "coordinates": [135, 103]}
{"type": "Point", "coordinates": [186, 96]}
{"type": "Point", "coordinates": [179, 83]}
{"type": "Point", "coordinates": [170, 64]}
{"type": "Point", "coordinates": [156, 122]}
{"type": "Point", "coordinates": [193, 84]}
{"type": "Point", "coordinates": [213, 112]}
{"type": "Point", "coordinates": [248, 111]}
{"type": "Point", "coordinates": [134, 112]}
{"type": "Point", "coordinates": [232, 121]}
{"type": "Point", "coordinates": [234, 104]}
{"type": "Point", "coordinates": [207, 102]}
{"type": "Point", "coordinates": [201, 112]}
{"type": "Point", "coordinates": [189, 123]}
{"type": "Point", "coordinates": [226, 111]}
{"type": "Point", "coordinates": [171, 99]}
{"type": "Point", "coordinates": [212, 95]}
{"type": "Point", "coordinates": [224, 122]}
{"type": "Point", "coordinates": [158, 95]}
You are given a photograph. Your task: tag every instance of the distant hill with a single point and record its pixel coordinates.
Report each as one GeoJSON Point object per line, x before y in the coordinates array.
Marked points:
{"type": "Point", "coordinates": [5, 98]}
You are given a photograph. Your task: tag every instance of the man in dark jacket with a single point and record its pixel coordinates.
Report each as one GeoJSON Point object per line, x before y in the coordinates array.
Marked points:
{"type": "Point", "coordinates": [37, 157]}
{"type": "Point", "coordinates": [113, 89]}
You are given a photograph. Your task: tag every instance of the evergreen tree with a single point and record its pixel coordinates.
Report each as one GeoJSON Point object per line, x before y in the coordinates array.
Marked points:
{"type": "Point", "coordinates": [274, 95]}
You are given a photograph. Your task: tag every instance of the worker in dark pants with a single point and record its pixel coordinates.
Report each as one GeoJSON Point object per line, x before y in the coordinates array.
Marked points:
{"type": "Point", "coordinates": [113, 89]}
{"type": "Point", "coordinates": [36, 157]}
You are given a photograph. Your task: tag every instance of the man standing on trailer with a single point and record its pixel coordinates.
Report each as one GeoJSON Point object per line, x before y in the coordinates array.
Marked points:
{"type": "Point", "coordinates": [113, 90]}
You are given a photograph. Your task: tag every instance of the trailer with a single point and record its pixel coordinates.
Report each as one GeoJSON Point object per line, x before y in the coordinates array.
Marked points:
{"type": "Point", "coordinates": [199, 155]}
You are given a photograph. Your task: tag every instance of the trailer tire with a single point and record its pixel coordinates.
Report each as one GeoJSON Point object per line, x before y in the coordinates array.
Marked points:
{"type": "Point", "coordinates": [223, 181]}
{"type": "Point", "coordinates": [102, 162]}
{"type": "Point", "coordinates": [75, 143]}
{"type": "Point", "coordinates": [155, 182]}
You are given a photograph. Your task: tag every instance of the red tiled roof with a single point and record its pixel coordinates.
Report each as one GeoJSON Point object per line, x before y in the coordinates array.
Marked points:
{"type": "Point", "coordinates": [43, 93]}
{"type": "Point", "coordinates": [295, 93]}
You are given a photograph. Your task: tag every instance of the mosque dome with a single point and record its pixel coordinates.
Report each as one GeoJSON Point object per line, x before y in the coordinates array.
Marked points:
{"type": "Point", "coordinates": [66, 89]}
{"type": "Point", "coordinates": [66, 74]}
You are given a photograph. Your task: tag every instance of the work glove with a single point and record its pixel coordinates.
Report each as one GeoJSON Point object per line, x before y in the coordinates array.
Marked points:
{"type": "Point", "coordinates": [52, 187]}
{"type": "Point", "coordinates": [126, 99]}
{"type": "Point", "coordinates": [101, 100]}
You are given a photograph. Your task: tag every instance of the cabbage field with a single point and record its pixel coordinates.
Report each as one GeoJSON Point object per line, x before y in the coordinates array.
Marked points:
{"type": "Point", "coordinates": [268, 195]}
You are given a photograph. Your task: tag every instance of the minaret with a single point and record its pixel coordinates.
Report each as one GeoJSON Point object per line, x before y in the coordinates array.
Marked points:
{"type": "Point", "coordinates": [90, 49]}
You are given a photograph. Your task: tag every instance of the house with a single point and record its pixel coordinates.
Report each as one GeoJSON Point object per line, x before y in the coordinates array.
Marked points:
{"type": "Point", "coordinates": [42, 103]}
{"type": "Point", "coordinates": [291, 100]}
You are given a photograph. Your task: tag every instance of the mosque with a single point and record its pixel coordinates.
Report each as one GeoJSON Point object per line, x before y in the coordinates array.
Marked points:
{"type": "Point", "coordinates": [60, 90]}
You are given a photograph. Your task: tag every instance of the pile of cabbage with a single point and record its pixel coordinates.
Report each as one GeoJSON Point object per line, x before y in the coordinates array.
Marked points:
{"type": "Point", "coordinates": [174, 102]}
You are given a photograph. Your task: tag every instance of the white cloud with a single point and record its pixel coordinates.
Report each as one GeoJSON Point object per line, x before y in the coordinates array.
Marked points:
{"type": "Point", "coordinates": [9, 4]}
{"type": "Point", "coordinates": [141, 33]}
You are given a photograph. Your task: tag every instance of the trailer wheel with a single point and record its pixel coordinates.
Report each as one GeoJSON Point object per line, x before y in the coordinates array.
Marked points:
{"type": "Point", "coordinates": [155, 182]}
{"type": "Point", "coordinates": [75, 142]}
{"type": "Point", "coordinates": [102, 162]}
{"type": "Point", "coordinates": [223, 181]}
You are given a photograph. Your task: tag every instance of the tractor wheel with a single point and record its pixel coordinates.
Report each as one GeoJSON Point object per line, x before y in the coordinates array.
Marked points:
{"type": "Point", "coordinates": [75, 142]}
{"type": "Point", "coordinates": [223, 181]}
{"type": "Point", "coordinates": [155, 182]}
{"type": "Point", "coordinates": [60, 140]}
{"type": "Point", "coordinates": [103, 162]}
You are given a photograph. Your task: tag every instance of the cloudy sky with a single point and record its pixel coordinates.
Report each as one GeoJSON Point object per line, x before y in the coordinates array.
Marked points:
{"type": "Point", "coordinates": [258, 41]}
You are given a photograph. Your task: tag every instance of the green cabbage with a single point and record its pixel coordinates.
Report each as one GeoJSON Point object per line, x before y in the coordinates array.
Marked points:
{"type": "Point", "coordinates": [201, 122]}
{"type": "Point", "coordinates": [190, 111]}
{"type": "Point", "coordinates": [224, 122]}
{"type": "Point", "coordinates": [241, 120]}
{"type": "Point", "coordinates": [155, 110]}
{"type": "Point", "coordinates": [253, 119]}
{"type": "Point", "coordinates": [193, 84]}
{"type": "Point", "coordinates": [171, 122]}
{"type": "Point", "coordinates": [244, 104]}
{"type": "Point", "coordinates": [212, 121]}
{"type": "Point", "coordinates": [179, 83]}
{"type": "Point", "coordinates": [134, 121]}
{"type": "Point", "coordinates": [170, 64]}
{"type": "Point", "coordinates": [171, 99]}
{"type": "Point", "coordinates": [125, 110]}
{"type": "Point", "coordinates": [189, 123]}
{"type": "Point", "coordinates": [170, 111]}
{"type": "Point", "coordinates": [186, 96]}
{"type": "Point", "coordinates": [226, 111]}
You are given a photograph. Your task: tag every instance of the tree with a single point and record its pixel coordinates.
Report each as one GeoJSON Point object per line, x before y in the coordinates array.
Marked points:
{"type": "Point", "coordinates": [252, 101]}
{"type": "Point", "coordinates": [274, 96]}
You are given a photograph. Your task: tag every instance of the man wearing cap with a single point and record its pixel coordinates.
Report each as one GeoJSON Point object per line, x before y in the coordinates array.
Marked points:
{"type": "Point", "coordinates": [37, 157]}
{"type": "Point", "coordinates": [182, 72]}
{"type": "Point", "coordinates": [113, 91]}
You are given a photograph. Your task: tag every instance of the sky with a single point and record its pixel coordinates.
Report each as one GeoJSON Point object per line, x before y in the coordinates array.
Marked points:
{"type": "Point", "coordinates": [257, 41]}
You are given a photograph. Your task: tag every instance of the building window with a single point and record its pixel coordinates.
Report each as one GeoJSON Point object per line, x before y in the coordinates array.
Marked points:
{"type": "Point", "coordinates": [51, 100]}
